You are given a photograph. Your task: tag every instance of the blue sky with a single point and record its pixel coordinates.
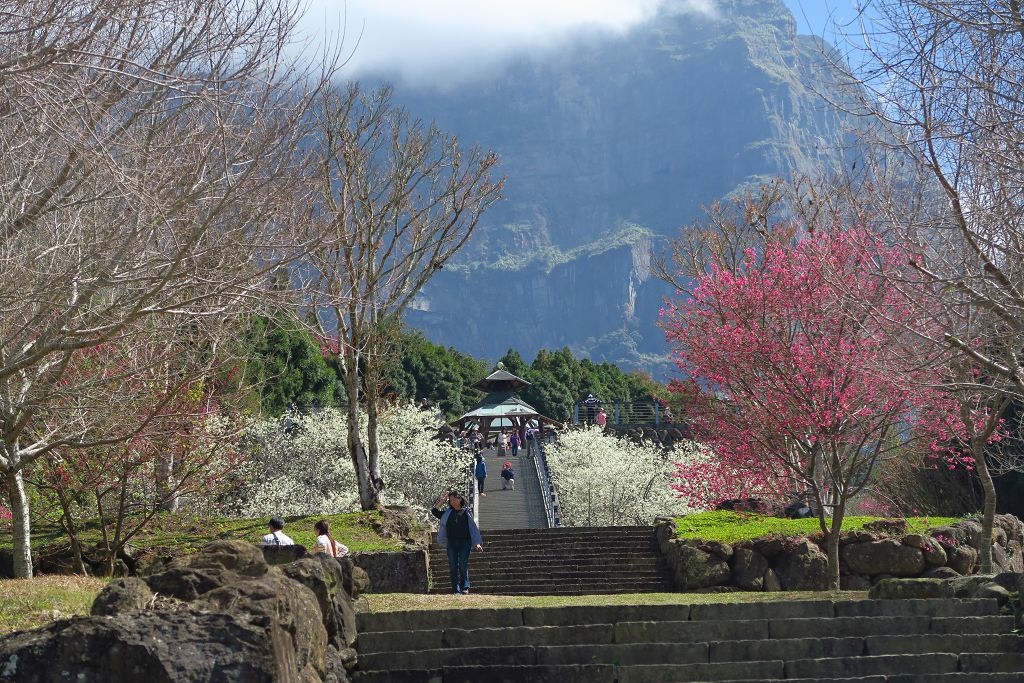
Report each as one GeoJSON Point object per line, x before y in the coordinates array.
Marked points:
{"type": "Point", "coordinates": [815, 16]}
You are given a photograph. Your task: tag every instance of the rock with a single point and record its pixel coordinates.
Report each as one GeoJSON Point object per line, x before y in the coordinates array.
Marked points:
{"type": "Point", "coordinates": [993, 590]}
{"type": "Point", "coordinates": [395, 572]}
{"type": "Point", "coordinates": [122, 595]}
{"type": "Point", "coordinates": [970, 532]}
{"type": "Point", "coordinates": [771, 581]}
{"type": "Point", "coordinates": [934, 554]}
{"type": "Point", "coordinates": [1000, 561]}
{"type": "Point", "coordinates": [1015, 551]}
{"type": "Point", "coordinates": [857, 536]}
{"type": "Point", "coordinates": [718, 549]}
{"type": "Point", "coordinates": [887, 556]}
{"type": "Point", "coordinates": [940, 573]}
{"type": "Point", "coordinates": [222, 615]}
{"type": "Point", "coordinates": [854, 582]}
{"type": "Point", "coordinates": [748, 569]}
{"type": "Point", "coordinates": [355, 580]}
{"type": "Point", "coordinates": [186, 583]}
{"type": "Point", "coordinates": [961, 558]}
{"type": "Point", "coordinates": [769, 546]}
{"type": "Point", "coordinates": [697, 569]}
{"type": "Point", "coordinates": [244, 559]}
{"type": "Point", "coordinates": [155, 647]}
{"type": "Point", "coordinates": [914, 541]}
{"type": "Point", "coordinates": [282, 554]}
{"type": "Point", "coordinates": [324, 577]}
{"type": "Point", "coordinates": [891, 527]}
{"type": "Point", "coordinates": [903, 589]}
{"type": "Point", "coordinates": [288, 608]}
{"type": "Point", "coordinates": [804, 568]}
{"type": "Point", "coordinates": [664, 531]}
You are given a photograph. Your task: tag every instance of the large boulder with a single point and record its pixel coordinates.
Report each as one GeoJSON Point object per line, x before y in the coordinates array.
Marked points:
{"type": "Point", "coordinates": [220, 615]}
{"type": "Point", "coordinates": [155, 647]}
{"type": "Point", "coordinates": [887, 556]}
{"type": "Point", "coordinates": [122, 595]}
{"type": "Point", "coordinates": [748, 569]}
{"type": "Point", "coordinates": [961, 558]}
{"type": "Point", "coordinates": [324, 576]}
{"type": "Point", "coordinates": [696, 569]}
{"type": "Point", "coordinates": [803, 567]}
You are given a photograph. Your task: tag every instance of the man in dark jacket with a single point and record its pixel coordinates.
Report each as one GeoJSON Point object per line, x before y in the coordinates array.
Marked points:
{"type": "Point", "coordinates": [459, 534]}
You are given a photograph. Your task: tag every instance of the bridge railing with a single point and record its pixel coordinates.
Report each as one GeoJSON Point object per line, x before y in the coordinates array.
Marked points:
{"type": "Point", "coordinates": [622, 413]}
{"type": "Point", "coordinates": [548, 491]}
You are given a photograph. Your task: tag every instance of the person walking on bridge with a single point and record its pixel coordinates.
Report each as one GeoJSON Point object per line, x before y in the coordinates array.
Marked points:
{"type": "Point", "coordinates": [460, 535]}
{"type": "Point", "coordinates": [480, 472]}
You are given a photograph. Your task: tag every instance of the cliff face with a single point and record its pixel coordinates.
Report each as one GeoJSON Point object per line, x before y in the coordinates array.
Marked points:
{"type": "Point", "coordinates": [605, 136]}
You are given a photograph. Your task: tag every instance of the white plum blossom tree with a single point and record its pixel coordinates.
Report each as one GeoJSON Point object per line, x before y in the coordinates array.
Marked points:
{"type": "Point", "coordinates": [604, 480]}
{"type": "Point", "coordinates": [294, 469]}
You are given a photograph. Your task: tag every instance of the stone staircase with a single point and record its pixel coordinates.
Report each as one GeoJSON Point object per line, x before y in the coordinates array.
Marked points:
{"type": "Point", "coordinates": [562, 561]}
{"type": "Point", "coordinates": [895, 641]}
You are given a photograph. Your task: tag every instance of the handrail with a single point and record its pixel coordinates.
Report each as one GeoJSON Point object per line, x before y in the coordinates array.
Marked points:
{"type": "Point", "coordinates": [471, 488]}
{"type": "Point", "coordinates": [623, 413]}
{"type": "Point", "coordinates": [548, 492]}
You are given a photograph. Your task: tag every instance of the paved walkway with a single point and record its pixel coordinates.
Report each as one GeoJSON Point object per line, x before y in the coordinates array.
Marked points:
{"type": "Point", "coordinates": [519, 509]}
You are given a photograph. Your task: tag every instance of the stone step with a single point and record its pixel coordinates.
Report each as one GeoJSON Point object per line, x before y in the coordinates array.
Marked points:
{"type": "Point", "coordinates": [583, 574]}
{"type": "Point", "coordinates": [617, 555]}
{"type": "Point", "coordinates": [943, 615]}
{"type": "Point", "coordinates": [563, 590]}
{"type": "Point", "coordinates": [592, 561]}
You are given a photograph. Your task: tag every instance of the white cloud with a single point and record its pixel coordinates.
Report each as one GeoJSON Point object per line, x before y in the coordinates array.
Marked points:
{"type": "Point", "coordinates": [445, 41]}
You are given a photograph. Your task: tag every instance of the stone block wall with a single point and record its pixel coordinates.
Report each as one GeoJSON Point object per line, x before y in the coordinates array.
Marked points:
{"type": "Point", "coordinates": [883, 550]}
{"type": "Point", "coordinates": [395, 572]}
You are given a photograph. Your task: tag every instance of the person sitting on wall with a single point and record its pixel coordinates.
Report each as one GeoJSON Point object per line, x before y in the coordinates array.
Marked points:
{"type": "Point", "coordinates": [276, 535]}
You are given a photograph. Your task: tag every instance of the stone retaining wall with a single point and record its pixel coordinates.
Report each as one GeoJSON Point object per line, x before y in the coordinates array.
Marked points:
{"type": "Point", "coordinates": [223, 614]}
{"type": "Point", "coordinates": [868, 556]}
{"type": "Point", "coordinates": [404, 571]}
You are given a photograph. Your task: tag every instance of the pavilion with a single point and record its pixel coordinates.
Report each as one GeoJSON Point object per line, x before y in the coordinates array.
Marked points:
{"type": "Point", "coordinates": [502, 408]}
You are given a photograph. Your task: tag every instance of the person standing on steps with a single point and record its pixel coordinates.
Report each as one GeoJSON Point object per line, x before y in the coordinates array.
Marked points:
{"type": "Point", "coordinates": [480, 472]}
{"type": "Point", "coordinates": [459, 534]}
{"type": "Point", "coordinates": [514, 443]}
{"type": "Point", "coordinates": [501, 442]}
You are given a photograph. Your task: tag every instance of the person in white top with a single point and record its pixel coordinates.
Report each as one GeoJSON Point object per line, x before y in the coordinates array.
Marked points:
{"type": "Point", "coordinates": [502, 441]}
{"type": "Point", "coordinates": [325, 543]}
{"type": "Point", "coordinates": [276, 536]}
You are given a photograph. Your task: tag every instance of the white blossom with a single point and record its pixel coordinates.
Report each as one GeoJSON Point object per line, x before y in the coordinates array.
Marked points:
{"type": "Point", "coordinates": [300, 464]}
{"type": "Point", "coordinates": [604, 480]}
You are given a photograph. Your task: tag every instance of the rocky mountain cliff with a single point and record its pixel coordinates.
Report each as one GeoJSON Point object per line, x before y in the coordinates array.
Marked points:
{"type": "Point", "coordinates": [609, 145]}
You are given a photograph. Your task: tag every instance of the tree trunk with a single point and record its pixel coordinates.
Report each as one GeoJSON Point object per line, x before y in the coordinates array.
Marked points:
{"type": "Point", "coordinates": [367, 491]}
{"type": "Point", "coordinates": [167, 498]}
{"type": "Point", "coordinates": [22, 530]}
{"type": "Point", "coordinates": [988, 516]}
{"type": "Point", "coordinates": [832, 542]}
{"type": "Point", "coordinates": [372, 419]}
{"type": "Point", "coordinates": [71, 529]}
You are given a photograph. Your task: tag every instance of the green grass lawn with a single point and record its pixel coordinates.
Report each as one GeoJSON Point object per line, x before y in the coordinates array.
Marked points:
{"type": "Point", "coordinates": [731, 527]}
{"type": "Point", "coordinates": [178, 534]}
{"type": "Point", "coordinates": [398, 602]}
{"type": "Point", "coordinates": [36, 602]}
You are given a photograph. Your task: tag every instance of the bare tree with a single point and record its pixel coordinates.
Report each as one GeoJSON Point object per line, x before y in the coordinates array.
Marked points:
{"type": "Point", "coordinates": [147, 166]}
{"type": "Point", "coordinates": [942, 81]}
{"type": "Point", "coordinates": [398, 199]}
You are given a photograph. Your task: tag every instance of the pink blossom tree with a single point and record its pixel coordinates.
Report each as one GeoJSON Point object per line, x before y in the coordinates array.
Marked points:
{"type": "Point", "coordinates": [805, 370]}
